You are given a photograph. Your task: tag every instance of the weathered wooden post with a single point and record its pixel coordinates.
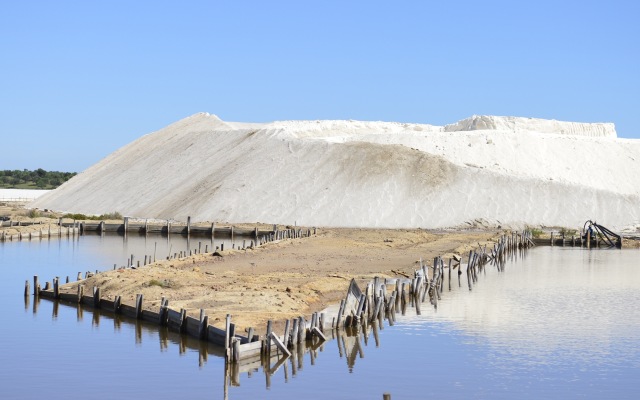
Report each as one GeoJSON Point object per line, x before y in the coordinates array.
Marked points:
{"type": "Point", "coordinates": [80, 293]}
{"type": "Point", "coordinates": [138, 306]}
{"type": "Point", "coordinates": [36, 286]}
{"type": "Point", "coordinates": [268, 336]}
{"type": "Point", "coordinates": [204, 321]}
{"type": "Point", "coordinates": [126, 225]}
{"type": "Point", "coordinates": [96, 297]}
{"type": "Point", "coordinates": [56, 288]}
{"type": "Point", "coordinates": [27, 288]}
{"type": "Point", "coordinates": [188, 226]}
{"type": "Point", "coordinates": [227, 338]}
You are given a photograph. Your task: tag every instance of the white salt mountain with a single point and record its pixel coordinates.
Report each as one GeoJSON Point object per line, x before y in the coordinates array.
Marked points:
{"type": "Point", "coordinates": [485, 169]}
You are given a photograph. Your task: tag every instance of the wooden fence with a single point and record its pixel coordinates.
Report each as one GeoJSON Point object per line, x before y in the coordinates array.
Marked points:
{"type": "Point", "coordinates": [383, 299]}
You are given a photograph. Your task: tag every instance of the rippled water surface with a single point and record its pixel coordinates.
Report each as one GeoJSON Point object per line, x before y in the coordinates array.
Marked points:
{"type": "Point", "coordinates": [559, 323]}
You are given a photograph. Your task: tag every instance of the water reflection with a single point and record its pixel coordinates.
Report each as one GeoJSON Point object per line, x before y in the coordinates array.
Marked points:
{"type": "Point", "coordinates": [349, 342]}
{"type": "Point", "coordinates": [555, 323]}
{"type": "Point", "coordinates": [563, 303]}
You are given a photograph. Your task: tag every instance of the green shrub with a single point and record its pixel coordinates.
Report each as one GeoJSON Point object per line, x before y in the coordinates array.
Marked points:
{"type": "Point", "coordinates": [113, 215]}
{"type": "Point", "coordinates": [163, 284]}
{"type": "Point", "coordinates": [568, 232]}
{"type": "Point", "coordinates": [535, 232]}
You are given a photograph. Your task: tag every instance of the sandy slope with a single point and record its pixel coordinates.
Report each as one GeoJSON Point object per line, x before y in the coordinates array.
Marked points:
{"type": "Point", "coordinates": [501, 170]}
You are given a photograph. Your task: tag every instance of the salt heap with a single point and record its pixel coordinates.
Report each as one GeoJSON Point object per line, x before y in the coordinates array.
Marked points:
{"type": "Point", "coordinates": [482, 170]}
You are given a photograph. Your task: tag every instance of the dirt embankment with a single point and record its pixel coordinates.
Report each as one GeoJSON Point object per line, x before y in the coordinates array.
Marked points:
{"type": "Point", "coordinates": [285, 279]}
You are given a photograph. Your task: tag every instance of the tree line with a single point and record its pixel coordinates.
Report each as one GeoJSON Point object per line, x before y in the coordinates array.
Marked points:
{"type": "Point", "coordinates": [37, 179]}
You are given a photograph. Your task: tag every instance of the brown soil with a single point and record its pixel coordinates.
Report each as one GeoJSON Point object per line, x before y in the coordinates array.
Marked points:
{"type": "Point", "coordinates": [284, 279]}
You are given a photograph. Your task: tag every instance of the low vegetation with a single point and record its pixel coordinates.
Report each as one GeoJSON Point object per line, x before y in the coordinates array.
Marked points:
{"type": "Point", "coordinates": [165, 284]}
{"type": "Point", "coordinates": [102, 217]}
{"type": "Point", "coordinates": [38, 179]}
{"type": "Point", "coordinates": [568, 232]}
{"type": "Point", "coordinates": [535, 232]}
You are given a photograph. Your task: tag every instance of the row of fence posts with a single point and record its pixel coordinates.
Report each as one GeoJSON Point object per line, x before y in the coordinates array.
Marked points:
{"type": "Point", "coordinates": [179, 321]}
{"type": "Point", "coordinates": [60, 231]}
{"type": "Point", "coordinates": [294, 233]}
{"type": "Point", "coordinates": [377, 303]}
{"type": "Point", "coordinates": [385, 298]}
{"type": "Point", "coordinates": [382, 298]}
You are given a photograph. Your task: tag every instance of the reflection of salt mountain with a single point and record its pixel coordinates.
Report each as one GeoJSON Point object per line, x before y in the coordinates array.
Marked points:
{"type": "Point", "coordinates": [554, 303]}
{"type": "Point", "coordinates": [369, 174]}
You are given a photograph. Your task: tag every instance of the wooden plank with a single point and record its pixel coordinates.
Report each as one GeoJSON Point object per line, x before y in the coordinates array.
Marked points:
{"type": "Point", "coordinates": [128, 311]}
{"type": "Point", "coordinates": [70, 297]}
{"type": "Point", "coordinates": [249, 350]}
{"type": "Point", "coordinates": [174, 320]}
{"type": "Point", "coordinates": [276, 340]}
{"type": "Point", "coordinates": [106, 304]}
{"type": "Point", "coordinates": [215, 335]}
{"type": "Point", "coordinates": [151, 316]}
{"type": "Point", "coordinates": [315, 331]}
{"type": "Point", "coordinates": [193, 326]}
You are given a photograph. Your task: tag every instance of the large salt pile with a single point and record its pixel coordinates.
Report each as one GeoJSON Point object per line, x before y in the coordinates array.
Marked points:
{"type": "Point", "coordinates": [485, 169]}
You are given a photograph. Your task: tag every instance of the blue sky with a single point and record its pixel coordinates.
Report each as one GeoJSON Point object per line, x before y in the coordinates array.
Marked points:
{"type": "Point", "coordinates": [80, 79]}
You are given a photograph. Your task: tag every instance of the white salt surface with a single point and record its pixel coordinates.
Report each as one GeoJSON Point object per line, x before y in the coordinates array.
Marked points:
{"type": "Point", "coordinates": [21, 194]}
{"type": "Point", "coordinates": [482, 170]}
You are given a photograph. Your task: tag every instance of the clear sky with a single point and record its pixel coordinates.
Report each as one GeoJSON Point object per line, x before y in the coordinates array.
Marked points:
{"type": "Point", "coordinates": [80, 79]}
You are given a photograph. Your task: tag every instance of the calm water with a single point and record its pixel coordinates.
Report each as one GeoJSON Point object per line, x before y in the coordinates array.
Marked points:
{"type": "Point", "coordinates": [560, 323]}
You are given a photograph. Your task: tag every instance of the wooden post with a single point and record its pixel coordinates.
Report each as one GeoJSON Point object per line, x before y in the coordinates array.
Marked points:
{"type": "Point", "coordinates": [138, 306]}
{"type": "Point", "coordinates": [236, 351]}
{"type": "Point", "coordinates": [227, 338]}
{"type": "Point", "coordinates": [56, 288]}
{"type": "Point", "coordinates": [188, 226]}
{"type": "Point", "coordinates": [449, 274]}
{"type": "Point", "coordinates": [340, 312]}
{"type": "Point", "coordinates": [204, 321]}
{"type": "Point", "coordinates": [183, 320]}
{"type": "Point", "coordinates": [285, 338]}
{"type": "Point", "coordinates": [126, 225]}
{"type": "Point", "coordinates": [27, 288]}
{"type": "Point", "coordinates": [250, 334]}
{"type": "Point", "coordinates": [96, 297]}
{"type": "Point", "coordinates": [551, 238]}
{"type": "Point", "coordinates": [117, 301]}
{"type": "Point", "coordinates": [301, 329]}
{"type": "Point", "coordinates": [80, 293]}
{"type": "Point", "coordinates": [36, 286]}
{"type": "Point", "coordinates": [268, 336]}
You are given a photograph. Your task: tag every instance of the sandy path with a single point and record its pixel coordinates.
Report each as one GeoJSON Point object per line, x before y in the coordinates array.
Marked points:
{"type": "Point", "coordinates": [281, 280]}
